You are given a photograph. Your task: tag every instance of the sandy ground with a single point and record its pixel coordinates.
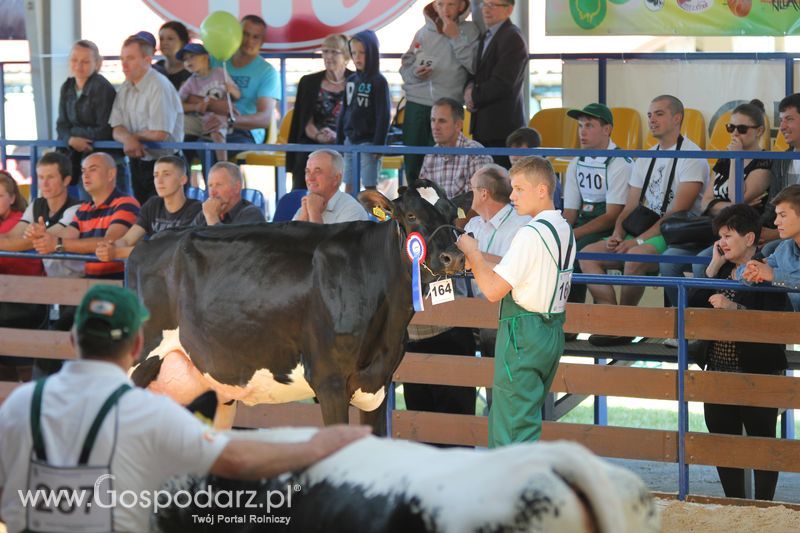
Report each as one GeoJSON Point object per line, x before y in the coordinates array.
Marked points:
{"type": "Point", "coordinates": [682, 517]}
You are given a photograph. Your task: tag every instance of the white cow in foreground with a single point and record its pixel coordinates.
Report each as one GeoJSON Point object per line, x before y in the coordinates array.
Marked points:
{"type": "Point", "coordinates": [384, 485]}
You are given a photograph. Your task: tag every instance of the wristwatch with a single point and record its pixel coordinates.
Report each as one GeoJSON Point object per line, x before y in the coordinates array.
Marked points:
{"type": "Point", "coordinates": [59, 245]}
{"type": "Point", "coordinates": [639, 241]}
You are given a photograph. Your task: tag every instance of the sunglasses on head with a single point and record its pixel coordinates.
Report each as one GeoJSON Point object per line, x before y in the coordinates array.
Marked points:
{"type": "Point", "coordinates": [741, 128]}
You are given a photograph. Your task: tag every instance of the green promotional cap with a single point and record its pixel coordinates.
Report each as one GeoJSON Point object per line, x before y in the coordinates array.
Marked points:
{"type": "Point", "coordinates": [593, 110]}
{"type": "Point", "coordinates": [110, 312]}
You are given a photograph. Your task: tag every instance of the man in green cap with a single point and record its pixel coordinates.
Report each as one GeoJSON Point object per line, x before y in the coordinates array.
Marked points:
{"type": "Point", "coordinates": [595, 188]}
{"type": "Point", "coordinates": [87, 427]}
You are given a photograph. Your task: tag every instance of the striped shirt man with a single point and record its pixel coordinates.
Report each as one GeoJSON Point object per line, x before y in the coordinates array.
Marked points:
{"type": "Point", "coordinates": [93, 220]}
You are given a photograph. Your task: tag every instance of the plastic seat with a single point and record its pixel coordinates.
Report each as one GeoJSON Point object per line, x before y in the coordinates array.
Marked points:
{"type": "Point", "coordinates": [288, 205]}
{"type": "Point", "coordinates": [693, 128]}
{"type": "Point", "coordinates": [780, 143]}
{"type": "Point", "coordinates": [467, 122]}
{"type": "Point", "coordinates": [557, 131]}
{"type": "Point", "coordinates": [627, 132]}
{"type": "Point", "coordinates": [255, 197]}
{"type": "Point", "coordinates": [196, 193]}
{"type": "Point", "coordinates": [270, 158]}
{"type": "Point", "coordinates": [395, 162]}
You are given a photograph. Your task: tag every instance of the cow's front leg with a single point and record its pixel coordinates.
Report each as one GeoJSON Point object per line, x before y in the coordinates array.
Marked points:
{"type": "Point", "coordinates": [225, 415]}
{"type": "Point", "coordinates": [333, 400]}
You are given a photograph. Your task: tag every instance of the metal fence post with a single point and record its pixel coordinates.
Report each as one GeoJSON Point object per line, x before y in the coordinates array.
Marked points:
{"type": "Point", "coordinates": [601, 402]}
{"type": "Point", "coordinates": [683, 408]}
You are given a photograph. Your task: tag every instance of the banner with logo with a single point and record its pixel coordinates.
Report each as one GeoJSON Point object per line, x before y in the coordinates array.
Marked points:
{"type": "Point", "coordinates": [673, 17]}
{"type": "Point", "coordinates": [292, 25]}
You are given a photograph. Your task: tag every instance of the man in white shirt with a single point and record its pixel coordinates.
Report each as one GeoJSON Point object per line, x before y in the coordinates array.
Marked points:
{"type": "Point", "coordinates": [658, 188]}
{"type": "Point", "coordinates": [139, 443]}
{"type": "Point", "coordinates": [533, 280]}
{"type": "Point", "coordinates": [325, 203]}
{"type": "Point", "coordinates": [596, 187]}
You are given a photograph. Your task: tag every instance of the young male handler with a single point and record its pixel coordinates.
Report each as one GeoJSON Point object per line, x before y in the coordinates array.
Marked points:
{"type": "Point", "coordinates": [533, 280]}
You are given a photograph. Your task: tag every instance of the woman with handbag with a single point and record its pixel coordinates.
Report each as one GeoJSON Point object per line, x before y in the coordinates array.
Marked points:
{"type": "Point", "coordinates": [746, 128]}
{"type": "Point", "coordinates": [318, 104]}
{"type": "Point", "coordinates": [739, 227]}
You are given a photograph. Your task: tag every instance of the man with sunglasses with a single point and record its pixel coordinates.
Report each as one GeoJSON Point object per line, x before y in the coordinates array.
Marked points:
{"type": "Point", "coordinates": [494, 93]}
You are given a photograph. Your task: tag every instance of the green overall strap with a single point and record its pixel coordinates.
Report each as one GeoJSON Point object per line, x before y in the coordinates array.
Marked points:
{"type": "Point", "coordinates": [36, 427]}
{"type": "Point", "coordinates": [563, 264]}
{"type": "Point", "coordinates": [98, 421]}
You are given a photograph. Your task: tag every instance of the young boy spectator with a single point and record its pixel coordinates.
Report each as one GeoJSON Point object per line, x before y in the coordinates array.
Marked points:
{"type": "Point", "coordinates": [366, 107]}
{"type": "Point", "coordinates": [208, 84]}
{"type": "Point", "coordinates": [529, 138]}
{"type": "Point", "coordinates": [170, 209]}
{"type": "Point", "coordinates": [782, 268]}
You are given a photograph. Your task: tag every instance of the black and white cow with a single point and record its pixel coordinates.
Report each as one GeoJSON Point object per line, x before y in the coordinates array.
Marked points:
{"type": "Point", "coordinates": [379, 485]}
{"type": "Point", "coordinates": [272, 313]}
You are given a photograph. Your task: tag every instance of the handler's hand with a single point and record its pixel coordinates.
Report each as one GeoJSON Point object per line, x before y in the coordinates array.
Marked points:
{"type": "Point", "coordinates": [467, 244]}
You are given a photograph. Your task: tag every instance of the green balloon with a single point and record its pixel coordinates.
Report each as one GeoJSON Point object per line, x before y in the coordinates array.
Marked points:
{"type": "Point", "coordinates": [221, 34]}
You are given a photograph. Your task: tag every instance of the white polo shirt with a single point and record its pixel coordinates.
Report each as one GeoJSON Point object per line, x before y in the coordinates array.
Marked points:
{"type": "Point", "coordinates": [528, 267]}
{"type": "Point", "coordinates": [156, 438]}
{"type": "Point", "coordinates": [341, 208]}
{"type": "Point", "coordinates": [494, 236]}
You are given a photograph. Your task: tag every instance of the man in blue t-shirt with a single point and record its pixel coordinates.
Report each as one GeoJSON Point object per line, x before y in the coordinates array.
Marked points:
{"type": "Point", "coordinates": [258, 81]}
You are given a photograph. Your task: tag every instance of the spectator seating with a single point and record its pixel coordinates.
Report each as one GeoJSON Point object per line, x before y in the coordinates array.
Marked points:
{"type": "Point", "coordinates": [780, 143]}
{"type": "Point", "coordinates": [627, 132]}
{"type": "Point", "coordinates": [196, 193]}
{"type": "Point", "coordinates": [269, 158]}
{"type": "Point", "coordinates": [288, 205]}
{"type": "Point", "coordinates": [255, 197]}
{"type": "Point", "coordinates": [693, 128]}
{"type": "Point", "coordinates": [557, 131]}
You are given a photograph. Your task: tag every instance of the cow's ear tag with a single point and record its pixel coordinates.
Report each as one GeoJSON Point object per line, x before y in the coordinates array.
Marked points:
{"type": "Point", "coordinates": [380, 214]}
{"type": "Point", "coordinates": [461, 213]}
{"type": "Point", "coordinates": [442, 291]}
{"type": "Point", "coordinates": [416, 250]}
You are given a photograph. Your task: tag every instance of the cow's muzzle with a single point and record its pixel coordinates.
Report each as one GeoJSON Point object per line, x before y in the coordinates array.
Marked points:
{"type": "Point", "coordinates": [452, 261]}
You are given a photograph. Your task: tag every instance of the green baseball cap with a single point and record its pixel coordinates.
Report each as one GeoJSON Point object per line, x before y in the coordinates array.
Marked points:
{"type": "Point", "coordinates": [593, 110]}
{"type": "Point", "coordinates": [110, 312]}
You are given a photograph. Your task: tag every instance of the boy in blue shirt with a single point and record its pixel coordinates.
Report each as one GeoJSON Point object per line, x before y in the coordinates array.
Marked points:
{"type": "Point", "coordinates": [366, 107]}
{"type": "Point", "coordinates": [782, 268]}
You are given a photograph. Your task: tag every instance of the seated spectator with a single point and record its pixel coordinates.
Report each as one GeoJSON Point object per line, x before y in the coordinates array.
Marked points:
{"type": "Point", "coordinates": [172, 37]}
{"type": "Point", "coordinates": [205, 84]}
{"type": "Point", "coordinates": [16, 315]}
{"type": "Point", "coordinates": [54, 208]}
{"type": "Point", "coordinates": [782, 268]}
{"type": "Point", "coordinates": [170, 209]}
{"type": "Point", "coordinates": [785, 171]}
{"type": "Point", "coordinates": [258, 81]}
{"type": "Point", "coordinates": [365, 109]}
{"type": "Point", "coordinates": [318, 105]}
{"type": "Point", "coordinates": [738, 227]}
{"type": "Point", "coordinates": [108, 216]}
{"type": "Point", "coordinates": [658, 188]}
{"type": "Point", "coordinates": [529, 138]}
{"type": "Point", "coordinates": [596, 188]}
{"type": "Point", "coordinates": [225, 204]}
{"type": "Point", "coordinates": [325, 203]}
{"type": "Point", "coordinates": [437, 64]}
{"type": "Point", "coordinates": [84, 106]}
{"type": "Point", "coordinates": [451, 172]}
{"type": "Point", "coordinates": [147, 108]}
{"type": "Point", "coordinates": [746, 128]}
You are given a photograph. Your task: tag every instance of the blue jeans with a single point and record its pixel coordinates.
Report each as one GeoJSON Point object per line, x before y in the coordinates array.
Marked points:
{"type": "Point", "coordinates": [676, 270]}
{"type": "Point", "coordinates": [370, 167]}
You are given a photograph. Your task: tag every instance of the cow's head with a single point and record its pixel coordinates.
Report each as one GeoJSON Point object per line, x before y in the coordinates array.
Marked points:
{"type": "Point", "coordinates": [424, 208]}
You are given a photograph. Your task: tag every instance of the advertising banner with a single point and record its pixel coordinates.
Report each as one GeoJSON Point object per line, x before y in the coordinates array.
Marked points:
{"type": "Point", "coordinates": [292, 25]}
{"type": "Point", "coordinates": [673, 17]}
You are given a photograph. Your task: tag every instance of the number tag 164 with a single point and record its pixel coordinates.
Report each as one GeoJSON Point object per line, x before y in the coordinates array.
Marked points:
{"type": "Point", "coordinates": [442, 291]}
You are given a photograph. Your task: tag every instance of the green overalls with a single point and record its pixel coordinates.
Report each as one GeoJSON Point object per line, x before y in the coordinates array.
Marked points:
{"type": "Point", "coordinates": [528, 348]}
{"type": "Point", "coordinates": [91, 483]}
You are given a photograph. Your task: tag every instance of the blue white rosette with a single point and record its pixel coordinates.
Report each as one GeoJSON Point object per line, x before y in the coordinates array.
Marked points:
{"type": "Point", "coordinates": [417, 251]}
